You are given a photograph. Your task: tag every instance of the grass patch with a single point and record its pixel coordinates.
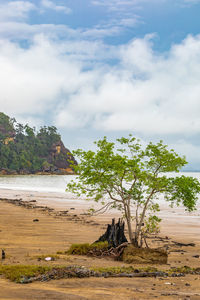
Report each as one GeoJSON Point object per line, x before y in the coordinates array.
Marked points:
{"type": "Point", "coordinates": [184, 270]}
{"type": "Point", "coordinates": [84, 249]}
{"type": "Point", "coordinates": [119, 270]}
{"type": "Point", "coordinates": [17, 272]}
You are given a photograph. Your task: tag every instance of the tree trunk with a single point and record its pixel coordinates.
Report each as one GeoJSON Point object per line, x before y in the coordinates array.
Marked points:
{"type": "Point", "coordinates": [114, 234]}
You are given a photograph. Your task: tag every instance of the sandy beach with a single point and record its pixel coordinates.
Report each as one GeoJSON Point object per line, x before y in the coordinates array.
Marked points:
{"type": "Point", "coordinates": [24, 241]}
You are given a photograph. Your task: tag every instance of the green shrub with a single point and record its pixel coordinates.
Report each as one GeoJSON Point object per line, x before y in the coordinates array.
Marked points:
{"type": "Point", "coordinates": [79, 249]}
{"type": "Point", "coordinates": [83, 249]}
{"type": "Point", "coordinates": [99, 246]}
{"type": "Point", "coordinates": [16, 272]}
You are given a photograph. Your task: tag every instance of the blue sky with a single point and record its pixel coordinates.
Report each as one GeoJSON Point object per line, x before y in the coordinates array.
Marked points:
{"type": "Point", "coordinates": [97, 67]}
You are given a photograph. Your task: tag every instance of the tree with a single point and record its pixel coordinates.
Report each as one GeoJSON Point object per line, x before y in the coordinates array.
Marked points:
{"type": "Point", "coordinates": [130, 177]}
{"type": "Point", "coordinates": [6, 126]}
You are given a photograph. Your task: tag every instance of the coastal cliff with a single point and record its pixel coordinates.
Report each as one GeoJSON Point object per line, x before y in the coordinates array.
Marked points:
{"type": "Point", "coordinates": [23, 150]}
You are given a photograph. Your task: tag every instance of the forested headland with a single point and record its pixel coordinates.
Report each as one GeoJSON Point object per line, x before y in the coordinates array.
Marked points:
{"type": "Point", "coordinates": [23, 150]}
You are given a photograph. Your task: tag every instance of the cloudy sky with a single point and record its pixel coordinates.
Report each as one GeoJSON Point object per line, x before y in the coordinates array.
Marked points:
{"type": "Point", "coordinates": [99, 67]}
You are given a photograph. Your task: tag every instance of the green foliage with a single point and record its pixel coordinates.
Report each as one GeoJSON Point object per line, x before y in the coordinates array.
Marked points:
{"type": "Point", "coordinates": [83, 249]}
{"type": "Point", "coordinates": [131, 178]}
{"type": "Point", "coordinates": [6, 126]}
{"type": "Point", "coordinates": [17, 272]}
{"type": "Point", "coordinates": [30, 150]}
{"type": "Point", "coordinates": [152, 225]}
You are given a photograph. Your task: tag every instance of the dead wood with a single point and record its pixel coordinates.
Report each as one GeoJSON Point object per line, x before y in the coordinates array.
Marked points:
{"type": "Point", "coordinates": [114, 234]}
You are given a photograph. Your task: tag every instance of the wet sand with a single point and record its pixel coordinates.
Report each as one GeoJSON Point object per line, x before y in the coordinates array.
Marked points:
{"type": "Point", "coordinates": [24, 240]}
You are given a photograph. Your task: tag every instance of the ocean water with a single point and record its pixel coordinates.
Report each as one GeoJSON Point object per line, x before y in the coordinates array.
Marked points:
{"type": "Point", "coordinates": [51, 183]}
{"type": "Point", "coordinates": [37, 183]}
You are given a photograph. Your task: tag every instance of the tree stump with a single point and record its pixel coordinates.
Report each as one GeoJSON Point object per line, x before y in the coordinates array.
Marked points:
{"type": "Point", "coordinates": [114, 234]}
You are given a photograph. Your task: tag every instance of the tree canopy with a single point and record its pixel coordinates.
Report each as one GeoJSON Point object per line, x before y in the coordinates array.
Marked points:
{"type": "Point", "coordinates": [131, 178]}
{"type": "Point", "coordinates": [23, 149]}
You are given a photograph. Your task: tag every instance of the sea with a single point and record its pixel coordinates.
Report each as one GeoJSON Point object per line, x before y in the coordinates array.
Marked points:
{"type": "Point", "coordinates": [52, 183]}
{"type": "Point", "coordinates": [37, 183]}
{"type": "Point", "coordinates": [55, 185]}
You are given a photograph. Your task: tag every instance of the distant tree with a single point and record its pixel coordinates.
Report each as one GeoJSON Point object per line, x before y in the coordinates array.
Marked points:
{"type": "Point", "coordinates": [130, 178]}
{"type": "Point", "coordinates": [30, 132]}
{"type": "Point", "coordinates": [6, 126]}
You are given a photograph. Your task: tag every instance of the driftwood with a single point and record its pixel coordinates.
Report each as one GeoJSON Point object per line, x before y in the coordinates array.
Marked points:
{"type": "Point", "coordinates": [114, 234]}
{"type": "Point", "coordinates": [111, 252]}
{"type": "Point", "coordinates": [183, 244]}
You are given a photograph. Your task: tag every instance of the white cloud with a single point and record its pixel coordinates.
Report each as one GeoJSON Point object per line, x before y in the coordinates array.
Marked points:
{"type": "Point", "coordinates": [20, 31]}
{"type": "Point", "coordinates": [32, 79]}
{"type": "Point", "coordinates": [15, 10]}
{"type": "Point", "coordinates": [59, 8]}
{"type": "Point", "coordinates": [145, 93]}
{"type": "Point", "coordinates": [122, 5]}
{"type": "Point", "coordinates": [112, 27]}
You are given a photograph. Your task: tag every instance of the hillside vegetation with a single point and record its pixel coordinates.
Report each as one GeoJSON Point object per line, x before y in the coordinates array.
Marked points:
{"type": "Point", "coordinates": [23, 150]}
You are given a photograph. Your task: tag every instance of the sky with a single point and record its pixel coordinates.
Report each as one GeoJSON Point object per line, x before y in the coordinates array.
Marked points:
{"type": "Point", "coordinates": [96, 68]}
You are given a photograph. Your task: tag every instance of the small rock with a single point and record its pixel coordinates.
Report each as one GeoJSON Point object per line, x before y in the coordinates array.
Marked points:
{"type": "Point", "coordinates": [35, 220]}
{"type": "Point", "coordinates": [3, 254]}
{"type": "Point", "coordinates": [196, 256]}
{"type": "Point", "coordinates": [25, 280]}
{"type": "Point", "coordinates": [187, 284]}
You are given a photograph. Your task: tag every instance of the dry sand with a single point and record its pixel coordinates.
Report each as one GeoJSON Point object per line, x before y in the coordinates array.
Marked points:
{"type": "Point", "coordinates": [24, 239]}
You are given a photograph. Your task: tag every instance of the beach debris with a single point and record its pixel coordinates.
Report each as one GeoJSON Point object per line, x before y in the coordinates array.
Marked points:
{"type": "Point", "coordinates": [170, 283]}
{"type": "Point", "coordinates": [178, 250]}
{"type": "Point", "coordinates": [196, 256]}
{"type": "Point", "coordinates": [3, 254]}
{"type": "Point", "coordinates": [36, 220]}
{"type": "Point", "coordinates": [64, 212]}
{"type": "Point", "coordinates": [49, 258]}
{"type": "Point", "coordinates": [83, 272]}
{"type": "Point", "coordinates": [183, 244]}
{"type": "Point", "coordinates": [114, 234]}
